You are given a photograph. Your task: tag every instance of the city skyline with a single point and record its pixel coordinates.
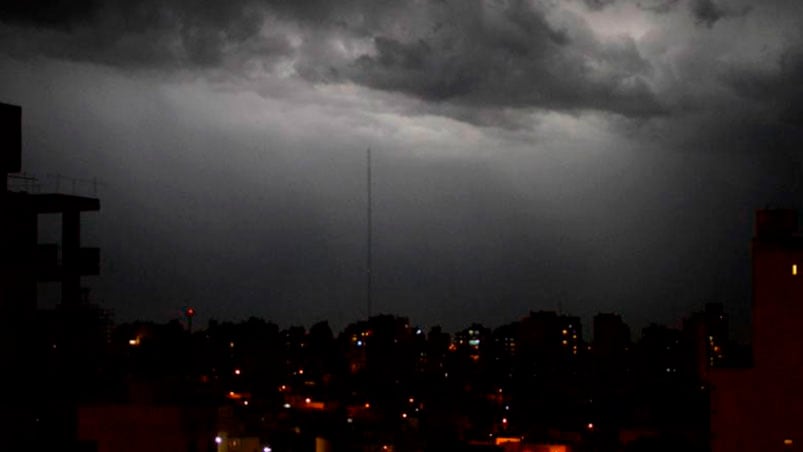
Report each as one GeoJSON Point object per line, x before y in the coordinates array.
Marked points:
{"type": "Point", "coordinates": [589, 156]}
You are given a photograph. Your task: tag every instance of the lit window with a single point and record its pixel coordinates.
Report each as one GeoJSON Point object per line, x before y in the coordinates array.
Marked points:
{"type": "Point", "coordinates": [788, 442]}
{"type": "Point", "coordinates": [794, 269]}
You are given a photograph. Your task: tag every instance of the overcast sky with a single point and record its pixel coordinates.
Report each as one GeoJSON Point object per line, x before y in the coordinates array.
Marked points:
{"type": "Point", "coordinates": [583, 155]}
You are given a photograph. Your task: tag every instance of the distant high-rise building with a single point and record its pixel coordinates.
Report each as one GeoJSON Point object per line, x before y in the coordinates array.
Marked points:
{"type": "Point", "coordinates": [548, 335]}
{"type": "Point", "coordinates": [761, 408]}
{"type": "Point", "coordinates": [707, 333]}
{"type": "Point", "coordinates": [662, 352]}
{"type": "Point", "coordinates": [611, 335]}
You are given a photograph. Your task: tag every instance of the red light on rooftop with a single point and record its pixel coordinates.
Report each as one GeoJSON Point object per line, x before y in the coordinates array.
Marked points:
{"type": "Point", "coordinates": [189, 312]}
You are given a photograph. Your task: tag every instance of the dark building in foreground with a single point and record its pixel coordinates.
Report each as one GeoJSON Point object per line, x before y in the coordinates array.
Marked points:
{"type": "Point", "coordinates": [761, 408]}
{"type": "Point", "coordinates": [26, 408]}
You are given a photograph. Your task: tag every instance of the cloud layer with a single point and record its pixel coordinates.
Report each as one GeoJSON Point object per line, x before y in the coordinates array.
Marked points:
{"type": "Point", "coordinates": [461, 58]}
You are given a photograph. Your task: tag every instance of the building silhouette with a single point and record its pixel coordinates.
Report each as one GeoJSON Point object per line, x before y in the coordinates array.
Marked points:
{"type": "Point", "coordinates": [707, 334]}
{"type": "Point", "coordinates": [36, 398]}
{"type": "Point", "coordinates": [760, 408]}
{"type": "Point", "coordinates": [611, 336]}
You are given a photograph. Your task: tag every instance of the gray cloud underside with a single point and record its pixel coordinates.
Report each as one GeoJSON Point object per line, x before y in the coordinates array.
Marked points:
{"type": "Point", "coordinates": [466, 53]}
{"type": "Point", "coordinates": [469, 59]}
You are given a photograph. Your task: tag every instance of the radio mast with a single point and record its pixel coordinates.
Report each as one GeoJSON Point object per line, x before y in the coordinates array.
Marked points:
{"type": "Point", "coordinates": [369, 233]}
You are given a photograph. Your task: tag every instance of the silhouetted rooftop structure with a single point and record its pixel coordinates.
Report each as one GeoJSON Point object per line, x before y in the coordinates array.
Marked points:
{"type": "Point", "coordinates": [24, 262]}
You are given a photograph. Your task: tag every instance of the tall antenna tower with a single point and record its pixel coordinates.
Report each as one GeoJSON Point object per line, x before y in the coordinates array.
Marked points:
{"type": "Point", "coordinates": [369, 233]}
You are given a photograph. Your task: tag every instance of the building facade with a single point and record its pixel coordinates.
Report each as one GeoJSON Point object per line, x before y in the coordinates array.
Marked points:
{"type": "Point", "coordinates": [761, 408]}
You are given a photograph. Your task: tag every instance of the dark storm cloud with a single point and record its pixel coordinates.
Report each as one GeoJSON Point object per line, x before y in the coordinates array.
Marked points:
{"type": "Point", "coordinates": [468, 53]}
{"type": "Point", "coordinates": [658, 6]}
{"type": "Point", "coordinates": [146, 33]}
{"type": "Point", "coordinates": [779, 89]}
{"type": "Point", "coordinates": [706, 11]}
{"type": "Point", "coordinates": [51, 13]}
{"type": "Point", "coordinates": [703, 12]}
{"type": "Point", "coordinates": [510, 56]}
{"type": "Point", "coordinates": [598, 4]}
